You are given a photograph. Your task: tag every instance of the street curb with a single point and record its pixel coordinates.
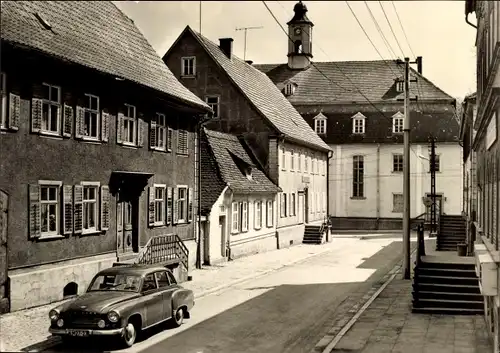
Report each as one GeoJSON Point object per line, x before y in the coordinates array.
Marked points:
{"type": "Point", "coordinates": [337, 332]}
{"type": "Point", "coordinates": [254, 276]}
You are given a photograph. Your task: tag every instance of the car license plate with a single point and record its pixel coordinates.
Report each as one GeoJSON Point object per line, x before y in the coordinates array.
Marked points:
{"type": "Point", "coordinates": [79, 333]}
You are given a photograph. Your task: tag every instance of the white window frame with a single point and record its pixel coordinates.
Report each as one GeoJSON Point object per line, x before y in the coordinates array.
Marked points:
{"type": "Point", "coordinates": [130, 119]}
{"type": "Point", "coordinates": [187, 60]}
{"type": "Point", "coordinates": [293, 208]}
{"type": "Point", "coordinates": [283, 205]}
{"type": "Point", "coordinates": [397, 123]}
{"type": "Point", "coordinates": [399, 163]}
{"type": "Point", "coordinates": [283, 158]}
{"type": "Point", "coordinates": [51, 104]}
{"type": "Point", "coordinates": [358, 123]}
{"type": "Point", "coordinates": [358, 195]}
{"type": "Point", "coordinates": [89, 110]}
{"type": "Point", "coordinates": [3, 100]}
{"type": "Point", "coordinates": [51, 183]}
{"type": "Point", "coordinates": [270, 213]}
{"type": "Point", "coordinates": [258, 215]}
{"type": "Point", "coordinates": [182, 203]}
{"type": "Point", "coordinates": [214, 104]}
{"type": "Point", "coordinates": [160, 130]}
{"type": "Point", "coordinates": [97, 186]}
{"type": "Point", "coordinates": [235, 214]}
{"type": "Point", "coordinates": [244, 216]}
{"type": "Point", "coordinates": [320, 126]}
{"type": "Point", "coordinates": [400, 86]}
{"type": "Point", "coordinates": [181, 132]}
{"type": "Point", "coordinates": [289, 89]}
{"type": "Point", "coordinates": [292, 160]}
{"type": "Point", "coordinates": [394, 210]}
{"type": "Point", "coordinates": [162, 206]}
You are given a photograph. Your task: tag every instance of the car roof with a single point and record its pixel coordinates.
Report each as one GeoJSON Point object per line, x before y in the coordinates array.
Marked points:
{"type": "Point", "coordinates": [132, 269]}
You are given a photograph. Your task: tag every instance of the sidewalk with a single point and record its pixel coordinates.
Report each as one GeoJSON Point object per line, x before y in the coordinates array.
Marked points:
{"type": "Point", "coordinates": [26, 330]}
{"type": "Point", "coordinates": [389, 326]}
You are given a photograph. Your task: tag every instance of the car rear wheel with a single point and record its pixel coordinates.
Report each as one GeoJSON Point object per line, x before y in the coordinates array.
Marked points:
{"type": "Point", "coordinates": [130, 334]}
{"type": "Point", "coordinates": [178, 318]}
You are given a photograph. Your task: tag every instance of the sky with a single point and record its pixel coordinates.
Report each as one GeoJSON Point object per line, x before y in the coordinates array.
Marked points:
{"type": "Point", "coordinates": [436, 30]}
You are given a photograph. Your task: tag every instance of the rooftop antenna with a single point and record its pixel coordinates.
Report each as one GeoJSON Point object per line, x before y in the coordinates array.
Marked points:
{"type": "Point", "coordinates": [245, 40]}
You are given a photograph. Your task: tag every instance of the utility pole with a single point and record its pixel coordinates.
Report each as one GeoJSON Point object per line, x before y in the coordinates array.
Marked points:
{"type": "Point", "coordinates": [432, 166]}
{"type": "Point", "coordinates": [406, 170]}
{"type": "Point", "coordinates": [245, 38]}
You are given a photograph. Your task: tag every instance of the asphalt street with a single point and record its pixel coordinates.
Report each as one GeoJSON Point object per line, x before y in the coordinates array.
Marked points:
{"type": "Point", "coordinates": [286, 311]}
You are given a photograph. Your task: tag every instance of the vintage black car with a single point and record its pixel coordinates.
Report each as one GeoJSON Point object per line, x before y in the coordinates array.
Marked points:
{"type": "Point", "coordinates": [121, 301]}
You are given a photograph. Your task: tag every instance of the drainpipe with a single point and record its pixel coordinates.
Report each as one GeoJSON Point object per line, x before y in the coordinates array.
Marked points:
{"type": "Point", "coordinates": [229, 224]}
{"type": "Point", "coordinates": [378, 184]}
{"type": "Point", "coordinates": [330, 155]}
{"type": "Point", "coordinates": [198, 166]}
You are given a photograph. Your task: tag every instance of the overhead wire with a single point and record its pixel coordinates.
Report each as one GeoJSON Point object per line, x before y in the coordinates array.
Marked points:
{"type": "Point", "coordinates": [379, 29]}
{"type": "Point", "coordinates": [392, 30]}
{"type": "Point", "coordinates": [402, 28]}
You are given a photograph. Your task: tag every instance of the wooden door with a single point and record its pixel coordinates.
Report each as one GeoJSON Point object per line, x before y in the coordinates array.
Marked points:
{"type": "Point", "coordinates": [125, 226]}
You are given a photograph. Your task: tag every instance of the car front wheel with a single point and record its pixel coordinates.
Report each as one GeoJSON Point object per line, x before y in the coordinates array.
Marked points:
{"type": "Point", "coordinates": [129, 335]}
{"type": "Point", "coordinates": [178, 317]}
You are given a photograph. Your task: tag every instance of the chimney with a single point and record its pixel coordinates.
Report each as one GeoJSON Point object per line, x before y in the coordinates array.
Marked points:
{"type": "Point", "coordinates": [419, 64]}
{"type": "Point", "coordinates": [226, 45]}
{"type": "Point", "coordinates": [249, 62]}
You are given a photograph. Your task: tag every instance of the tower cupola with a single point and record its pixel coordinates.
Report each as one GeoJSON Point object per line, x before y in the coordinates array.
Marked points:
{"type": "Point", "coordinates": [300, 38]}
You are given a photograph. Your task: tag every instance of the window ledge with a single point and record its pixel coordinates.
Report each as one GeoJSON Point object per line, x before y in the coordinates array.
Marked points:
{"type": "Point", "coordinates": [157, 225]}
{"type": "Point", "coordinates": [358, 198]}
{"type": "Point", "coordinates": [134, 147]}
{"type": "Point", "coordinates": [181, 223]}
{"type": "Point", "coordinates": [258, 228]}
{"type": "Point", "coordinates": [90, 232]}
{"type": "Point", "coordinates": [234, 233]}
{"type": "Point", "coordinates": [182, 155]}
{"type": "Point", "coordinates": [90, 140]}
{"type": "Point", "coordinates": [10, 129]}
{"type": "Point", "coordinates": [159, 149]}
{"type": "Point", "coordinates": [51, 237]}
{"type": "Point", "coordinates": [50, 136]}
{"type": "Point", "coordinates": [397, 172]}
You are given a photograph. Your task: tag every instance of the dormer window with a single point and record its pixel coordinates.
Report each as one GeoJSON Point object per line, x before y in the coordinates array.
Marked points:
{"type": "Point", "coordinates": [358, 124]}
{"type": "Point", "coordinates": [289, 89]}
{"type": "Point", "coordinates": [320, 124]}
{"type": "Point", "coordinates": [248, 172]}
{"type": "Point", "coordinates": [397, 123]}
{"type": "Point", "coordinates": [400, 86]}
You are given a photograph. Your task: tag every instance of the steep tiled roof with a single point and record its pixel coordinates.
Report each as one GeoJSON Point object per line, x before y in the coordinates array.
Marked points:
{"type": "Point", "coordinates": [264, 95]}
{"type": "Point", "coordinates": [375, 79]}
{"type": "Point", "coordinates": [228, 150]}
{"type": "Point", "coordinates": [95, 34]}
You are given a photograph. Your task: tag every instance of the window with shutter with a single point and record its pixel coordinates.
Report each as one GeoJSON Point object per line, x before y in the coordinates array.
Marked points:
{"type": "Point", "coordinates": [51, 110]}
{"type": "Point", "coordinates": [78, 209]}
{"type": "Point", "coordinates": [182, 203]}
{"type": "Point", "coordinates": [157, 195]}
{"type": "Point", "coordinates": [3, 100]}
{"type": "Point", "coordinates": [91, 120]}
{"type": "Point", "coordinates": [36, 115]}
{"type": "Point", "coordinates": [190, 204]}
{"type": "Point", "coordinates": [182, 142]}
{"type": "Point", "coordinates": [105, 207]}
{"type": "Point", "coordinates": [170, 138]}
{"type": "Point", "coordinates": [105, 127]}
{"type": "Point", "coordinates": [50, 208]}
{"type": "Point", "coordinates": [14, 111]}
{"type": "Point", "coordinates": [169, 205]}
{"type": "Point", "coordinates": [67, 209]}
{"type": "Point", "coordinates": [34, 212]}
{"type": "Point", "coordinates": [79, 122]}
{"type": "Point", "coordinates": [235, 211]}
{"type": "Point", "coordinates": [90, 213]}
{"type": "Point", "coordinates": [175, 207]}
{"type": "Point", "coordinates": [258, 215]}
{"type": "Point", "coordinates": [158, 133]}
{"type": "Point", "coordinates": [270, 213]}
{"type": "Point", "coordinates": [129, 126]}
{"type": "Point", "coordinates": [283, 205]}
{"type": "Point", "coordinates": [244, 216]}
{"type": "Point", "coordinates": [67, 120]}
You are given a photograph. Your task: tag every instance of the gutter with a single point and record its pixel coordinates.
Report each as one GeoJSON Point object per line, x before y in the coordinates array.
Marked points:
{"type": "Point", "coordinates": [378, 184]}
{"type": "Point", "coordinates": [330, 155]}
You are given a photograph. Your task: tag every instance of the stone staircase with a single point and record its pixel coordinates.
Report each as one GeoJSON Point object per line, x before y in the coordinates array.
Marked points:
{"type": "Point", "coordinates": [446, 288]}
{"type": "Point", "coordinates": [313, 235]}
{"type": "Point", "coordinates": [451, 232]}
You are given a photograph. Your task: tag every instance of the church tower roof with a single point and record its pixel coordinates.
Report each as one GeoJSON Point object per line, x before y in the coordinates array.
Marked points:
{"type": "Point", "coordinates": [300, 10]}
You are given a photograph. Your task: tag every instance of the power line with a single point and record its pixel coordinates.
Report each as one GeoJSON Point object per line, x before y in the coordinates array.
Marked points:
{"type": "Point", "coordinates": [402, 28]}
{"type": "Point", "coordinates": [392, 30]}
{"type": "Point", "coordinates": [388, 45]}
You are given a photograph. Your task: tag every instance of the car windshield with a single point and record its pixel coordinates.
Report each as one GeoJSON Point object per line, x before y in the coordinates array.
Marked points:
{"type": "Point", "coordinates": [116, 282]}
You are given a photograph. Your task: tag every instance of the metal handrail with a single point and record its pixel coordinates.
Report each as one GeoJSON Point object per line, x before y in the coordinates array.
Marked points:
{"type": "Point", "coordinates": [161, 248]}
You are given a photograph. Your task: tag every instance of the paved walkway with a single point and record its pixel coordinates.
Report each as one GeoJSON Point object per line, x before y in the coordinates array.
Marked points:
{"type": "Point", "coordinates": [27, 329]}
{"type": "Point", "coordinates": [389, 326]}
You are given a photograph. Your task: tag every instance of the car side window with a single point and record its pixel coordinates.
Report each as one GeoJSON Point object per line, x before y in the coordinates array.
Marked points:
{"type": "Point", "coordinates": [162, 279]}
{"type": "Point", "coordinates": [171, 277]}
{"type": "Point", "coordinates": [149, 283]}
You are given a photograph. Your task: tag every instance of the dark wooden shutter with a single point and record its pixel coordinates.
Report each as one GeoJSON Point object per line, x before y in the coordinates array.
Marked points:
{"type": "Point", "coordinates": [140, 132]}
{"type": "Point", "coordinates": [170, 136]}
{"type": "Point", "coordinates": [67, 127]}
{"type": "Point", "coordinates": [14, 111]}
{"type": "Point", "coordinates": [34, 212]}
{"type": "Point", "coordinates": [104, 127]}
{"type": "Point", "coordinates": [152, 135]}
{"type": "Point", "coordinates": [119, 128]}
{"type": "Point", "coordinates": [105, 207]}
{"type": "Point", "coordinates": [190, 205]}
{"type": "Point", "coordinates": [36, 115]}
{"type": "Point", "coordinates": [78, 209]}
{"type": "Point", "coordinates": [175, 206]}
{"type": "Point", "coordinates": [169, 205]}
{"type": "Point", "coordinates": [79, 122]}
{"type": "Point", "coordinates": [151, 206]}
{"type": "Point", "coordinates": [67, 209]}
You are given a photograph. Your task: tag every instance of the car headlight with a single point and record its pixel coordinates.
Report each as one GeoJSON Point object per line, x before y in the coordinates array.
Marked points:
{"type": "Point", "coordinates": [54, 315]}
{"type": "Point", "coordinates": [113, 316]}
{"type": "Point", "coordinates": [60, 323]}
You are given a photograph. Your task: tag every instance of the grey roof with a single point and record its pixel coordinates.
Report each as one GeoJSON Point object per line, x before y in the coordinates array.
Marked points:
{"type": "Point", "coordinates": [95, 34]}
{"type": "Point", "coordinates": [264, 95]}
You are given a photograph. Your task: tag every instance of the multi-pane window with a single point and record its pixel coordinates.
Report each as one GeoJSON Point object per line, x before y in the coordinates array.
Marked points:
{"type": "Point", "coordinates": [270, 213]}
{"type": "Point", "coordinates": [129, 127]}
{"type": "Point", "coordinates": [235, 217]}
{"type": "Point", "coordinates": [258, 215]}
{"type": "Point", "coordinates": [91, 117]}
{"type": "Point", "coordinates": [358, 125]}
{"type": "Point", "coordinates": [3, 100]}
{"type": "Point", "coordinates": [289, 89]}
{"type": "Point", "coordinates": [397, 203]}
{"type": "Point", "coordinates": [49, 209]}
{"type": "Point", "coordinates": [306, 164]}
{"type": "Point", "coordinates": [292, 161]}
{"type": "Point", "coordinates": [292, 205]}
{"type": "Point", "coordinates": [397, 163]}
{"type": "Point", "coordinates": [188, 66]}
{"type": "Point", "coordinates": [400, 86]}
{"type": "Point", "coordinates": [51, 109]}
{"type": "Point", "coordinates": [320, 126]}
{"type": "Point", "coordinates": [283, 159]}
{"type": "Point", "coordinates": [159, 135]}
{"type": "Point", "coordinates": [437, 163]}
{"type": "Point", "coordinates": [159, 204]}
{"type": "Point", "coordinates": [283, 205]}
{"type": "Point", "coordinates": [182, 204]}
{"type": "Point", "coordinates": [244, 216]}
{"type": "Point", "coordinates": [182, 142]}
{"type": "Point", "coordinates": [90, 193]}
{"type": "Point", "coordinates": [300, 156]}
{"type": "Point", "coordinates": [358, 176]}
{"type": "Point", "coordinates": [213, 102]}
{"type": "Point", "coordinates": [397, 124]}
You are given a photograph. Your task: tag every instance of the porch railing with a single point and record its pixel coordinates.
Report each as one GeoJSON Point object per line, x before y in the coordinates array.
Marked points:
{"type": "Point", "coordinates": [164, 248]}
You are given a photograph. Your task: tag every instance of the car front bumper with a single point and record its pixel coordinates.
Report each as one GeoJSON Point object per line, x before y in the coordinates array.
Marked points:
{"type": "Point", "coordinates": [73, 332]}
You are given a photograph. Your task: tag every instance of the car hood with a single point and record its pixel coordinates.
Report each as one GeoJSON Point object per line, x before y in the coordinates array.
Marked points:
{"type": "Point", "coordinates": [99, 301]}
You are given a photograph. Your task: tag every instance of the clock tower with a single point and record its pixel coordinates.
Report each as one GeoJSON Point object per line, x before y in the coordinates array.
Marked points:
{"type": "Point", "coordinates": [300, 38]}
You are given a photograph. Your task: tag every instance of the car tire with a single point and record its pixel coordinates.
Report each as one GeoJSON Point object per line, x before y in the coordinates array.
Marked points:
{"type": "Point", "coordinates": [178, 318]}
{"type": "Point", "coordinates": [130, 335]}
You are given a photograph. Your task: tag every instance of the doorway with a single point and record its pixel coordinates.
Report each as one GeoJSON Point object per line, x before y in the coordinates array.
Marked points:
{"type": "Point", "coordinates": [205, 228]}
{"type": "Point", "coordinates": [301, 208]}
{"type": "Point", "coordinates": [306, 205]}
{"type": "Point", "coordinates": [127, 227]}
{"type": "Point", "coordinates": [222, 232]}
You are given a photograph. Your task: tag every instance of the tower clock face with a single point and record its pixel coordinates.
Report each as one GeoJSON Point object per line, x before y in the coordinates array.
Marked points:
{"type": "Point", "coordinates": [298, 31]}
